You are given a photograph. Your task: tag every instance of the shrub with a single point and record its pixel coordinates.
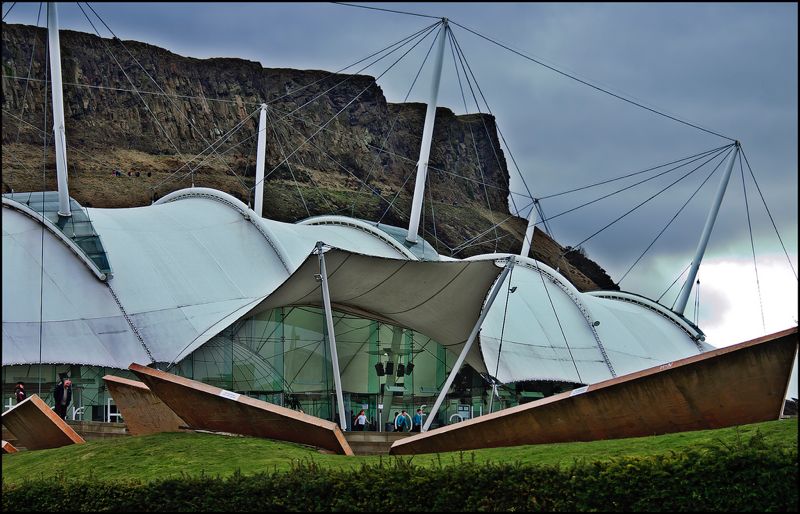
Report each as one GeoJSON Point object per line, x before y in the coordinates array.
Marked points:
{"type": "Point", "coordinates": [748, 476]}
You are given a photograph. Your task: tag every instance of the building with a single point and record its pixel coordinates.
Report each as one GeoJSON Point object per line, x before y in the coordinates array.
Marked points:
{"type": "Point", "coordinates": [198, 284]}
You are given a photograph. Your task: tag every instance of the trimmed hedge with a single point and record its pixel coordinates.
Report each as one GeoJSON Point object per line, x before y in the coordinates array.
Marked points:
{"type": "Point", "coordinates": [749, 477]}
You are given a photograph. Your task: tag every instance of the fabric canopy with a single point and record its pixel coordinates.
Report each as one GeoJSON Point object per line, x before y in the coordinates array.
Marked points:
{"type": "Point", "coordinates": [442, 300]}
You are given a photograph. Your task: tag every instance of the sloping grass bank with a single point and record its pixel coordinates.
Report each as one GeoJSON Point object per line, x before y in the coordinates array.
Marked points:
{"type": "Point", "coordinates": [163, 456]}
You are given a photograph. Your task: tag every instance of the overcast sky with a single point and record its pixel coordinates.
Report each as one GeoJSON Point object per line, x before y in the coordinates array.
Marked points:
{"type": "Point", "coordinates": [728, 67]}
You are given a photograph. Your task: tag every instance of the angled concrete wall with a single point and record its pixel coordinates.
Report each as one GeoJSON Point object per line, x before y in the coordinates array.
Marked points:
{"type": "Point", "coordinates": [142, 411]}
{"type": "Point", "coordinates": [210, 408]}
{"type": "Point", "coordinates": [736, 385]}
{"type": "Point", "coordinates": [36, 426]}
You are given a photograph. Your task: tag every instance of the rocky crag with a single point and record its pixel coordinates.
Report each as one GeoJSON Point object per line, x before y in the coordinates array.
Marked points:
{"type": "Point", "coordinates": [140, 121]}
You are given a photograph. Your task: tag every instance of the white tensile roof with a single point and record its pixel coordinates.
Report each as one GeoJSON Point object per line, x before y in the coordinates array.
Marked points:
{"type": "Point", "coordinates": [198, 260]}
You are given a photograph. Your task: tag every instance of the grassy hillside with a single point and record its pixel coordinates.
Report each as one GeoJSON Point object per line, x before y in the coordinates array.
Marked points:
{"type": "Point", "coordinates": [174, 455]}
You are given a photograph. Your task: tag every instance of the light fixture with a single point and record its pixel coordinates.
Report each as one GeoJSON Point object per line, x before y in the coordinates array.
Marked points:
{"type": "Point", "coordinates": [409, 368]}
{"type": "Point", "coordinates": [513, 289]}
{"type": "Point", "coordinates": [389, 368]}
{"type": "Point", "coordinates": [401, 370]}
{"type": "Point", "coordinates": [379, 369]}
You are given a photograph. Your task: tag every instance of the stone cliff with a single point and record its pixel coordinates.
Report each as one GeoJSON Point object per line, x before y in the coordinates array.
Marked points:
{"type": "Point", "coordinates": [142, 128]}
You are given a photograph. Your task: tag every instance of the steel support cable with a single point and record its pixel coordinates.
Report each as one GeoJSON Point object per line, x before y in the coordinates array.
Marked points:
{"type": "Point", "coordinates": [285, 113]}
{"type": "Point", "coordinates": [668, 224]}
{"type": "Point", "coordinates": [503, 326]}
{"type": "Point", "coordinates": [310, 176]}
{"type": "Point", "coordinates": [603, 182]}
{"type": "Point", "coordinates": [766, 207]}
{"type": "Point", "coordinates": [433, 213]}
{"type": "Point", "coordinates": [637, 183]}
{"type": "Point", "coordinates": [323, 126]}
{"type": "Point", "coordinates": [673, 283]}
{"type": "Point", "coordinates": [400, 42]}
{"type": "Point", "coordinates": [374, 191]}
{"type": "Point", "coordinates": [537, 204]}
{"type": "Point", "coordinates": [697, 303]}
{"type": "Point", "coordinates": [27, 83]}
{"type": "Point", "coordinates": [558, 320]}
{"type": "Point", "coordinates": [752, 245]}
{"type": "Point", "coordinates": [329, 156]}
{"type": "Point", "coordinates": [346, 170]}
{"type": "Point", "coordinates": [395, 118]}
{"type": "Point", "coordinates": [350, 76]}
{"type": "Point", "coordinates": [44, 187]}
{"type": "Point", "coordinates": [209, 145]}
{"type": "Point", "coordinates": [387, 10]}
{"type": "Point", "coordinates": [472, 134]}
{"type": "Point", "coordinates": [592, 85]}
{"type": "Point", "coordinates": [185, 116]}
{"type": "Point", "coordinates": [291, 172]}
{"type": "Point", "coordinates": [470, 242]}
{"type": "Point", "coordinates": [111, 54]}
{"type": "Point", "coordinates": [140, 91]}
{"type": "Point", "coordinates": [400, 157]}
{"type": "Point", "coordinates": [344, 108]}
{"type": "Point", "coordinates": [466, 67]}
{"type": "Point", "coordinates": [645, 201]}
{"type": "Point", "coordinates": [396, 195]}
{"type": "Point", "coordinates": [463, 245]}
{"type": "Point", "coordinates": [219, 142]}
{"type": "Point", "coordinates": [47, 138]}
{"type": "Point", "coordinates": [12, 6]}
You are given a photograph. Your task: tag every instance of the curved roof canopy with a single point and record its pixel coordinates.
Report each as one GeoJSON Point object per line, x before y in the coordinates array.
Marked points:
{"type": "Point", "coordinates": [198, 260]}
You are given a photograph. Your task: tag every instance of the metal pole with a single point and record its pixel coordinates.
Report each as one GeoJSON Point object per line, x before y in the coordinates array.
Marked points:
{"type": "Point", "coordinates": [58, 110]}
{"type": "Point", "coordinates": [326, 300]}
{"type": "Point", "coordinates": [528, 241]}
{"type": "Point", "coordinates": [494, 392]}
{"type": "Point", "coordinates": [261, 154]}
{"type": "Point", "coordinates": [427, 138]}
{"type": "Point", "coordinates": [683, 297]}
{"type": "Point", "coordinates": [457, 366]}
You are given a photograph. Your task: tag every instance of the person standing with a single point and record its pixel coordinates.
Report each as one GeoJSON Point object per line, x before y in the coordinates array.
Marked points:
{"type": "Point", "coordinates": [62, 395]}
{"type": "Point", "coordinates": [361, 421]}
{"type": "Point", "coordinates": [401, 423]}
{"type": "Point", "coordinates": [417, 423]}
{"type": "Point", "coordinates": [19, 392]}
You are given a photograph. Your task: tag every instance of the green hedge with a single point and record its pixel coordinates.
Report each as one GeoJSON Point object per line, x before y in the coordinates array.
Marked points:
{"type": "Point", "coordinates": [750, 477]}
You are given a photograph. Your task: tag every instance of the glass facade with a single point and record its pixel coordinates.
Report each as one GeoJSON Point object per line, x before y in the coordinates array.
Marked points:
{"type": "Point", "coordinates": [77, 227]}
{"type": "Point", "coordinates": [282, 356]}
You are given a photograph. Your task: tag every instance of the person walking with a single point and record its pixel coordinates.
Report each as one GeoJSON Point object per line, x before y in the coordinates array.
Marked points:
{"type": "Point", "coordinates": [361, 421]}
{"type": "Point", "coordinates": [62, 395]}
{"type": "Point", "coordinates": [19, 392]}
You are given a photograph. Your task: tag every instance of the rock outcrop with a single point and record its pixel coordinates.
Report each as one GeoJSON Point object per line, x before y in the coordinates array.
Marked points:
{"type": "Point", "coordinates": [141, 121]}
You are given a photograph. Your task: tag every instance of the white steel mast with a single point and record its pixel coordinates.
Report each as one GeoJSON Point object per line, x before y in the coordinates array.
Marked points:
{"type": "Point", "coordinates": [260, 156]}
{"type": "Point", "coordinates": [427, 138]}
{"type": "Point", "coordinates": [683, 297]}
{"type": "Point", "coordinates": [58, 110]}
{"type": "Point", "coordinates": [528, 240]}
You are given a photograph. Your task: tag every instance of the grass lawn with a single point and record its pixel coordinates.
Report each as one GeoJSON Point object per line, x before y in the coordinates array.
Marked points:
{"type": "Point", "coordinates": [173, 455]}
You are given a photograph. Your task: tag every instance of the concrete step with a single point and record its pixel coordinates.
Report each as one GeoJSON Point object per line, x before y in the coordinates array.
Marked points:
{"type": "Point", "coordinates": [89, 430]}
{"type": "Point", "coordinates": [373, 443]}
{"type": "Point", "coordinates": [92, 430]}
